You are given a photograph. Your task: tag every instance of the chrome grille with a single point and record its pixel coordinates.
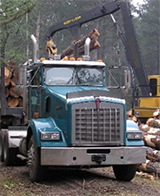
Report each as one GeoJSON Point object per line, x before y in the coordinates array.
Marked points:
{"type": "Point", "coordinates": [98, 126]}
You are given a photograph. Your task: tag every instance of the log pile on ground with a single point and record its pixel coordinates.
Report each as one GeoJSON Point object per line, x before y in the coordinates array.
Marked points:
{"type": "Point", "coordinates": [130, 116]}
{"type": "Point", "coordinates": [13, 98]}
{"type": "Point", "coordinates": [151, 137]}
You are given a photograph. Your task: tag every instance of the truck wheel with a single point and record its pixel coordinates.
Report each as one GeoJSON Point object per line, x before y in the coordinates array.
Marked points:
{"type": "Point", "coordinates": [124, 172]}
{"type": "Point", "coordinates": [8, 153]}
{"type": "Point", "coordinates": [1, 147]}
{"type": "Point", "coordinates": [36, 171]}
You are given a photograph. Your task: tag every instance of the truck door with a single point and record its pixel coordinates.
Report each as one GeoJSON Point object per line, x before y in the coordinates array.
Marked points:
{"type": "Point", "coordinates": [34, 95]}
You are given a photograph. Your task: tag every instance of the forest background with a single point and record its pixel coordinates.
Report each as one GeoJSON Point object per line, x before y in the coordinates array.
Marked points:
{"type": "Point", "coordinates": [21, 18]}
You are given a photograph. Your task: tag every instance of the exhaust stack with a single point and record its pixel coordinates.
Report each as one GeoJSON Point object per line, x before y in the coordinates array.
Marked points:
{"type": "Point", "coordinates": [86, 55]}
{"type": "Point", "coordinates": [34, 47]}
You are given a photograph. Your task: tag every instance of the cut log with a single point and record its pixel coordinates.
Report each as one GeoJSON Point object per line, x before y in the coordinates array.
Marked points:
{"type": "Point", "coordinates": [6, 92]}
{"type": "Point", "coordinates": [13, 81]}
{"type": "Point", "coordinates": [152, 122]}
{"type": "Point", "coordinates": [143, 166]}
{"type": "Point", "coordinates": [144, 127]}
{"type": "Point", "coordinates": [150, 167]}
{"type": "Point", "coordinates": [20, 102]}
{"type": "Point", "coordinates": [145, 175]}
{"type": "Point", "coordinates": [13, 102]}
{"type": "Point", "coordinates": [13, 93]}
{"type": "Point", "coordinates": [153, 155]}
{"type": "Point", "coordinates": [11, 68]}
{"type": "Point", "coordinates": [70, 50]}
{"type": "Point", "coordinates": [7, 73]}
{"type": "Point", "coordinates": [154, 131]}
{"type": "Point", "coordinates": [152, 141]}
{"type": "Point", "coordinates": [130, 116]}
{"type": "Point", "coordinates": [7, 82]}
{"type": "Point", "coordinates": [94, 44]}
{"type": "Point", "coordinates": [13, 98]}
{"type": "Point", "coordinates": [92, 35]}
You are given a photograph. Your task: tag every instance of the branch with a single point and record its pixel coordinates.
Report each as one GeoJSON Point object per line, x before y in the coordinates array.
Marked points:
{"type": "Point", "coordinates": [17, 15]}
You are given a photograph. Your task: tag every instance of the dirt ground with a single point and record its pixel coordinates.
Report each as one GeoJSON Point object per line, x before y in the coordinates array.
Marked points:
{"type": "Point", "coordinates": [14, 181]}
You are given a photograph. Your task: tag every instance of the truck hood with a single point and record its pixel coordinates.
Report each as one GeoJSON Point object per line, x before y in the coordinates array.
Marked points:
{"type": "Point", "coordinates": [84, 91]}
{"type": "Point", "coordinates": [63, 90]}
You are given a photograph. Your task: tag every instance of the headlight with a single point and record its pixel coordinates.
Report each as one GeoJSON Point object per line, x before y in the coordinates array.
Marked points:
{"type": "Point", "coordinates": [134, 135]}
{"type": "Point", "coordinates": [50, 136]}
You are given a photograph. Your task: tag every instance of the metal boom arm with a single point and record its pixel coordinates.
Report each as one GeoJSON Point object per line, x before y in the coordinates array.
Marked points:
{"type": "Point", "coordinates": [129, 39]}
{"type": "Point", "coordinates": [85, 17]}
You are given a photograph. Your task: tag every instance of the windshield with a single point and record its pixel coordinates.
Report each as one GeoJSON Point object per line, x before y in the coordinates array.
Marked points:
{"type": "Point", "coordinates": [74, 76]}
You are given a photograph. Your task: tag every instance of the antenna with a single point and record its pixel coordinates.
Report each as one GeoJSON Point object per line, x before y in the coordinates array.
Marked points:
{"type": "Point", "coordinates": [27, 35]}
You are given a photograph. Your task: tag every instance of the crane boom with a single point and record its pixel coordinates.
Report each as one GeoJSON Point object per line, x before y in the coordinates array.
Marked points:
{"type": "Point", "coordinates": [132, 49]}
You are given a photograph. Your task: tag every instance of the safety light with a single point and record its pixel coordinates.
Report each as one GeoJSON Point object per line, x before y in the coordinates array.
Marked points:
{"type": "Point", "coordinates": [72, 59]}
{"type": "Point", "coordinates": [42, 59]}
{"type": "Point", "coordinates": [36, 115]}
{"type": "Point", "coordinates": [65, 58]}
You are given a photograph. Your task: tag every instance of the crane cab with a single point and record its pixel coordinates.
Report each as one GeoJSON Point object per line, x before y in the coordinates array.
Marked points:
{"type": "Point", "coordinates": [154, 84]}
{"type": "Point", "coordinates": [146, 105]}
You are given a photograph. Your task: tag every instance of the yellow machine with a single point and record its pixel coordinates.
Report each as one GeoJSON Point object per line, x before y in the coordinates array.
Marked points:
{"type": "Point", "coordinates": [145, 106]}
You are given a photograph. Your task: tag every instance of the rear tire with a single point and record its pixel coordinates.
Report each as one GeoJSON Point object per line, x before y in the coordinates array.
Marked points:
{"type": "Point", "coordinates": [124, 172]}
{"type": "Point", "coordinates": [36, 171]}
{"type": "Point", "coordinates": [9, 154]}
{"type": "Point", "coordinates": [1, 147]}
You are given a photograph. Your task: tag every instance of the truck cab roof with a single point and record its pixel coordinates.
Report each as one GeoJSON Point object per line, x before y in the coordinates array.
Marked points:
{"type": "Point", "coordinates": [70, 63]}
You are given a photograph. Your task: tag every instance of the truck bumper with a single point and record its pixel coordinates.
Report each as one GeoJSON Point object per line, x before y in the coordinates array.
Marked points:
{"type": "Point", "coordinates": [92, 156]}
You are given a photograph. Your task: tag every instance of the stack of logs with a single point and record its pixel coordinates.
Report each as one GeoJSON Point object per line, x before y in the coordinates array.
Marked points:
{"type": "Point", "coordinates": [93, 35]}
{"type": "Point", "coordinates": [13, 98]}
{"type": "Point", "coordinates": [151, 137]}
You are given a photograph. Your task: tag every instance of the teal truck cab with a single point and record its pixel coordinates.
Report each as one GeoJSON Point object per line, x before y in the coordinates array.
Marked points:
{"type": "Point", "coordinates": [70, 119]}
{"type": "Point", "coordinates": [75, 121]}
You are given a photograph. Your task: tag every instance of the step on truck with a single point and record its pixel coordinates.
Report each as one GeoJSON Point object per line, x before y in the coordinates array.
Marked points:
{"type": "Point", "coordinates": [69, 118]}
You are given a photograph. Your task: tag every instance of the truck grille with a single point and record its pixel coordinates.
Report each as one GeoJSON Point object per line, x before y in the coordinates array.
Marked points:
{"type": "Point", "coordinates": [102, 126]}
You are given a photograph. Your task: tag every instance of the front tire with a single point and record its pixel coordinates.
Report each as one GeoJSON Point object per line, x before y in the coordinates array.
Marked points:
{"type": "Point", "coordinates": [124, 172]}
{"type": "Point", "coordinates": [36, 171]}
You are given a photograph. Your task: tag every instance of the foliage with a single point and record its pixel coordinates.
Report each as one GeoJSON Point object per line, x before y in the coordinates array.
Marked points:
{"type": "Point", "coordinates": [12, 10]}
{"type": "Point", "coordinates": [148, 28]}
{"type": "Point", "coordinates": [13, 29]}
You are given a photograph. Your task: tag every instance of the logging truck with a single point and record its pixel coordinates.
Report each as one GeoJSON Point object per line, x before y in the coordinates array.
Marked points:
{"type": "Point", "coordinates": [68, 117]}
